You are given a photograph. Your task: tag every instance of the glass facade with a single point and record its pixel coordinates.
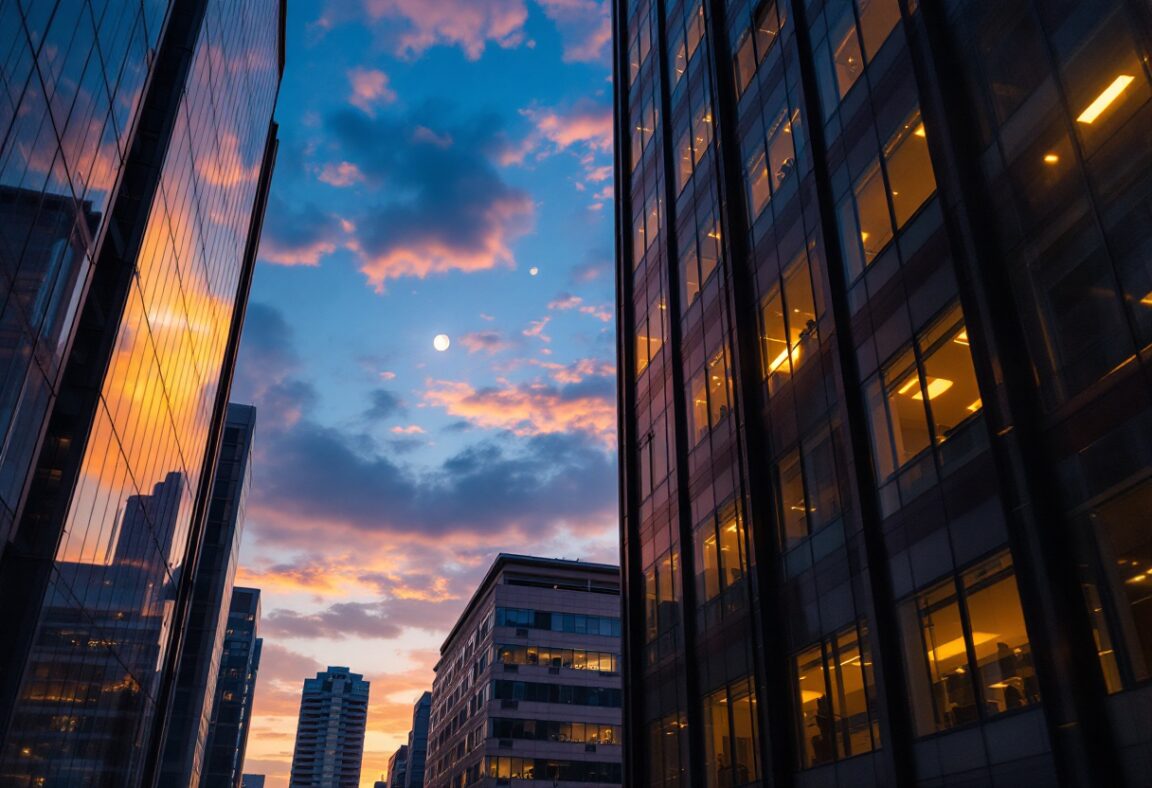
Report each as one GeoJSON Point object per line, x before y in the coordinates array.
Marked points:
{"type": "Point", "coordinates": [135, 157]}
{"type": "Point", "coordinates": [886, 435]}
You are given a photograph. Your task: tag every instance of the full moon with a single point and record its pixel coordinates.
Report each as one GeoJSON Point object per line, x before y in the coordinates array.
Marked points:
{"type": "Point", "coordinates": [441, 342]}
{"type": "Point", "coordinates": [533, 271]}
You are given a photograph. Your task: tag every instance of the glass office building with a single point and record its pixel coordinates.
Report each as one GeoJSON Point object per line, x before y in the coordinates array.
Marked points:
{"type": "Point", "coordinates": [136, 147]}
{"type": "Point", "coordinates": [885, 297]}
{"type": "Point", "coordinates": [235, 692]}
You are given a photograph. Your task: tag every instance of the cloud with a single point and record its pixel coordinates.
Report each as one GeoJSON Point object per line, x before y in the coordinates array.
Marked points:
{"type": "Point", "coordinates": [265, 369]}
{"type": "Point", "coordinates": [443, 207]}
{"type": "Point", "coordinates": [384, 404]}
{"type": "Point", "coordinates": [530, 409]}
{"type": "Point", "coordinates": [587, 124]}
{"type": "Point", "coordinates": [414, 26]}
{"type": "Point", "coordinates": [536, 329]}
{"type": "Point", "coordinates": [343, 174]}
{"type": "Point", "coordinates": [411, 429]}
{"type": "Point", "coordinates": [339, 621]}
{"type": "Point", "coordinates": [298, 236]}
{"type": "Point", "coordinates": [585, 25]}
{"type": "Point", "coordinates": [490, 342]}
{"type": "Point", "coordinates": [369, 89]}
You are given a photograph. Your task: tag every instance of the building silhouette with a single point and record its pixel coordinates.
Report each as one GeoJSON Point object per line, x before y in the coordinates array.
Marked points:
{"type": "Point", "coordinates": [234, 693]}
{"type": "Point", "coordinates": [330, 732]}
{"type": "Point", "coordinates": [135, 158]}
{"type": "Point", "coordinates": [397, 769]}
{"type": "Point", "coordinates": [528, 682]}
{"type": "Point", "coordinates": [209, 619]}
{"type": "Point", "coordinates": [417, 751]}
{"type": "Point", "coordinates": [885, 393]}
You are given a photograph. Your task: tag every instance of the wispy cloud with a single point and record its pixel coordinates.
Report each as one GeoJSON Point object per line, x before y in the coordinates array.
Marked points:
{"type": "Point", "coordinates": [370, 89]}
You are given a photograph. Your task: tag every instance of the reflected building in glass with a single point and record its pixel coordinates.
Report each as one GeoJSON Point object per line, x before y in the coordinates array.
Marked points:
{"type": "Point", "coordinates": [885, 299]}
{"type": "Point", "coordinates": [136, 148]}
{"type": "Point", "coordinates": [235, 692]}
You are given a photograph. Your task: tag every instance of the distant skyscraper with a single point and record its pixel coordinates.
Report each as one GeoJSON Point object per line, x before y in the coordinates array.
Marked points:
{"type": "Point", "coordinates": [330, 732]}
{"type": "Point", "coordinates": [235, 690]}
{"type": "Point", "coordinates": [885, 306]}
{"type": "Point", "coordinates": [208, 617]}
{"type": "Point", "coordinates": [397, 768]}
{"type": "Point", "coordinates": [418, 742]}
{"type": "Point", "coordinates": [136, 149]}
{"type": "Point", "coordinates": [528, 682]}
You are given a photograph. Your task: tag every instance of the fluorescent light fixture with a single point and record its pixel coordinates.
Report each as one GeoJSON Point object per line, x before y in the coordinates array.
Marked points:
{"type": "Point", "coordinates": [975, 406]}
{"type": "Point", "coordinates": [1105, 99]}
{"type": "Point", "coordinates": [1051, 158]}
{"type": "Point", "coordinates": [962, 338]}
{"type": "Point", "coordinates": [912, 381]}
{"type": "Point", "coordinates": [1147, 300]}
{"type": "Point", "coordinates": [954, 648]}
{"type": "Point", "coordinates": [936, 387]}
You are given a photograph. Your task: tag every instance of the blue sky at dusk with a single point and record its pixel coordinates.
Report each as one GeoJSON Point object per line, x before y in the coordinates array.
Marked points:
{"type": "Point", "coordinates": [432, 154]}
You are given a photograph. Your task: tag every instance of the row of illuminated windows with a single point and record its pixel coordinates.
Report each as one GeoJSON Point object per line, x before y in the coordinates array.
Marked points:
{"type": "Point", "coordinates": [694, 142]}
{"type": "Point", "coordinates": [577, 623]}
{"type": "Point", "coordinates": [553, 730]}
{"type": "Point", "coordinates": [924, 396]}
{"type": "Point", "coordinates": [641, 32]}
{"type": "Point", "coordinates": [577, 659]}
{"type": "Point", "coordinates": [646, 223]}
{"type": "Point", "coordinates": [662, 596]}
{"type": "Point", "coordinates": [835, 698]}
{"type": "Point", "coordinates": [504, 768]}
{"type": "Point", "coordinates": [542, 692]}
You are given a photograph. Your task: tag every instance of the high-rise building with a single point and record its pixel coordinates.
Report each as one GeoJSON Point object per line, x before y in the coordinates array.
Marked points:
{"type": "Point", "coordinates": [418, 742]}
{"type": "Point", "coordinates": [252, 781]}
{"type": "Point", "coordinates": [528, 682]}
{"type": "Point", "coordinates": [208, 616]}
{"type": "Point", "coordinates": [330, 732]}
{"type": "Point", "coordinates": [397, 769]}
{"type": "Point", "coordinates": [136, 148]}
{"type": "Point", "coordinates": [235, 690]}
{"type": "Point", "coordinates": [885, 304]}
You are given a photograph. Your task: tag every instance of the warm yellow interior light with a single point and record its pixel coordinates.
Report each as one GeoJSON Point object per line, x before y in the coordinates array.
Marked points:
{"type": "Point", "coordinates": [1105, 99]}
{"type": "Point", "coordinates": [936, 387]}
{"type": "Point", "coordinates": [920, 131]}
{"type": "Point", "coordinates": [975, 406]}
{"type": "Point", "coordinates": [954, 648]}
{"type": "Point", "coordinates": [1051, 158]}
{"type": "Point", "coordinates": [1137, 579]}
{"type": "Point", "coordinates": [912, 381]}
{"type": "Point", "coordinates": [1147, 300]}
{"type": "Point", "coordinates": [962, 338]}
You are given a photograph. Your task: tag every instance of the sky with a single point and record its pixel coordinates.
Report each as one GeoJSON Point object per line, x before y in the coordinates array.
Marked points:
{"type": "Point", "coordinates": [445, 167]}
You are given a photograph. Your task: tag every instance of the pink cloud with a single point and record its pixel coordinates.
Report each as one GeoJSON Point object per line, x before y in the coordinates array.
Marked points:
{"type": "Point", "coordinates": [342, 174]}
{"type": "Point", "coordinates": [528, 409]}
{"type": "Point", "coordinates": [566, 302]}
{"type": "Point", "coordinates": [587, 125]}
{"type": "Point", "coordinates": [369, 89]}
{"type": "Point", "coordinates": [411, 429]}
{"type": "Point", "coordinates": [536, 329]}
{"type": "Point", "coordinates": [468, 24]}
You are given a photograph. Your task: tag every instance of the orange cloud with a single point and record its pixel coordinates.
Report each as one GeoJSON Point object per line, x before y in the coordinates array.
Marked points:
{"type": "Point", "coordinates": [369, 89]}
{"type": "Point", "coordinates": [566, 302]}
{"type": "Point", "coordinates": [591, 126]}
{"type": "Point", "coordinates": [527, 409]}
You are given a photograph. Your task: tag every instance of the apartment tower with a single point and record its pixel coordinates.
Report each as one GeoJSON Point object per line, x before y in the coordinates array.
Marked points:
{"type": "Point", "coordinates": [528, 682]}
{"type": "Point", "coordinates": [330, 732]}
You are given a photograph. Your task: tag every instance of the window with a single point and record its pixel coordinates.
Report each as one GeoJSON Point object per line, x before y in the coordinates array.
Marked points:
{"type": "Point", "coordinates": [745, 62]}
{"type": "Point", "coordinates": [910, 175]}
{"type": "Point", "coordinates": [847, 60]}
{"type": "Point", "coordinates": [1119, 528]}
{"type": "Point", "coordinates": [698, 262]}
{"type": "Point", "coordinates": [836, 699]}
{"type": "Point", "coordinates": [788, 324]}
{"type": "Point", "coordinates": [906, 179]}
{"type": "Point", "coordinates": [730, 734]}
{"type": "Point", "coordinates": [877, 20]}
{"type": "Point", "coordinates": [793, 503]}
{"type": "Point", "coordinates": [967, 649]}
{"type": "Point", "coordinates": [915, 405]}
{"type": "Point", "coordinates": [769, 169]}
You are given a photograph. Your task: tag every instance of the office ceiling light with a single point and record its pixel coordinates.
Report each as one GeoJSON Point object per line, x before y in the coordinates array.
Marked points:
{"type": "Point", "coordinates": [936, 387]}
{"type": "Point", "coordinates": [1051, 158]}
{"type": "Point", "coordinates": [1105, 99]}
